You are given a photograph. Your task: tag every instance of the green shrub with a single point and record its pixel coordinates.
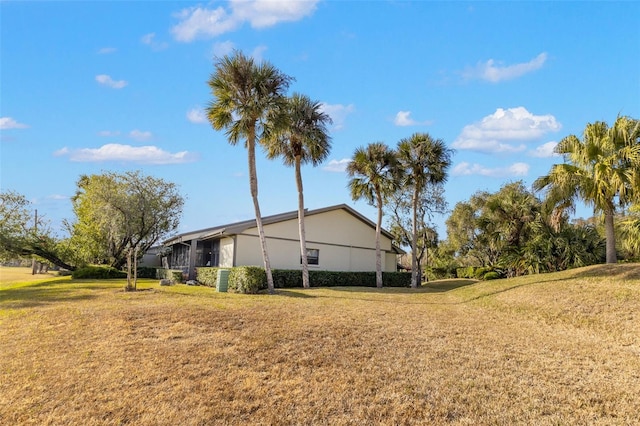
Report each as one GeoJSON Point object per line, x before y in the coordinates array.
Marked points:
{"type": "Point", "coordinates": [247, 279]}
{"type": "Point", "coordinates": [288, 278]}
{"type": "Point", "coordinates": [466, 272]}
{"type": "Point", "coordinates": [492, 275]}
{"type": "Point", "coordinates": [97, 272]}
{"type": "Point", "coordinates": [207, 276]}
{"type": "Point", "coordinates": [147, 272]}
{"type": "Point", "coordinates": [396, 279]}
{"type": "Point", "coordinates": [177, 276]}
{"type": "Point", "coordinates": [480, 273]}
{"type": "Point", "coordinates": [174, 275]}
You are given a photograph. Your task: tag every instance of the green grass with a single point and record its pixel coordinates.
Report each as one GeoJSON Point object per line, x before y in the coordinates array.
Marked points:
{"type": "Point", "coordinates": [550, 349]}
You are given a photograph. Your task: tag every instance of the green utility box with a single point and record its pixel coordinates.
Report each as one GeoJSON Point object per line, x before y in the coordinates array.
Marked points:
{"type": "Point", "coordinates": [222, 283]}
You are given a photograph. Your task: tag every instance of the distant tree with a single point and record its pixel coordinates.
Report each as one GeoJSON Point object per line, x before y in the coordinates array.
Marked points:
{"type": "Point", "coordinates": [120, 216]}
{"type": "Point", "coordinates": [303, 140]}
{"type": "Point", "coordinates": [601, 169]}
{"type": "Point", "coordinates": [373, 171]}
{"type": "Point", "coordinates": [510, 231]}
{"type": "Point", "coordinates": [249, 103]}
{"type": "Point", "coordinates": [630, 228]}
{"type": "Point", "coordinates": [424, 161]}
{"type": "Point", "coordinates": [400, 224]}
{"type": "Point", "coordinates": [23, 233]}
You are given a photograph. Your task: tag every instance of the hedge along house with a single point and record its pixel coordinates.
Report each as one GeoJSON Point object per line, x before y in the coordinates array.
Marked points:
{"type": "Point", "coordinates": [338, 239]}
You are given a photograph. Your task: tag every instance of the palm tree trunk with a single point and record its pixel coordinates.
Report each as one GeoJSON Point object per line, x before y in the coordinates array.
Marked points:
{"type": "Point", "coordinates": [610, 236]}
{"type": "Point", "coordinates": [253, 184]}
{"type": "Point", "coordinates": [378, 254]}
{"type": "Point", "coordinates": [414, 240]}
{"type": "Point", "coordinates": [303, 239]}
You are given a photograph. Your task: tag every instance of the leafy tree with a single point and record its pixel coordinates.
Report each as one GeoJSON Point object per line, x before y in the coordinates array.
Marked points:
{"type": "Point", "coordinates": [23, 233]}
{"type": "Point", "coordinates": [304, 140]}
{"type": "Point", "coordinates": [601, 169]}
{"type": "Point", "coordinates": [374, 173]}
{"type": "Point", "coordinates": [424, 161]}
{"type": "Point", "coordinates": [630, 227]}
{"type": "Point", "coordinates": [249, 104]}
{"type": "Point", "coordinates": [120, 216]}
{"type": "Point", "coordinates": [399, 209]}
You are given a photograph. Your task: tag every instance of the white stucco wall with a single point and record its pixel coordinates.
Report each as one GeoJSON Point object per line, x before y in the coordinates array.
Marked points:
{"type": "Point", "coordinates": [226, 253]}
{"type": "Point", "coordinates": [344, 241]}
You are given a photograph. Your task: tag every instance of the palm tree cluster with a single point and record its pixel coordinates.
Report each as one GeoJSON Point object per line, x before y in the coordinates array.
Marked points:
{"type": "Point", "coordinates": [250, 104]}
{"type": "Point", "coordinates": [377, 172]}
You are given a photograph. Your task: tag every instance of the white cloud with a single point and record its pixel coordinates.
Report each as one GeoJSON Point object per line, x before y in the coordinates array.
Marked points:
{"type": "Point", "coordinates": [106, 80]}
{"type": "Point", "coordinates": [126, 153]}
{"type": "Point", "coordinates": [7, 123]}
{"type": "Point", "coordinates": [403, 118]}
{"type": "Point", "coordinates": [223, 48]}
{"type": "Point", "coordinates": [338, 113]}
{"type": "Point", "coordinates": [257, 52]}
{"type": "Point", "coordinates": [201, 22]}
{"type": "Point", "coordinates": [57, 197]}
{"type": "Point", "coordinates": [267, 13]}
{"type": "Point", "coordinates": [106, 50]}
{"type": "Point", "coordinates": [139, 135]}
{"type": "Point", "coordinates": [545, 150]}
{"type": "Point", "coordinates": [337, 166]}
{"type": "Point", "coordinates": [514, 170]}
{"type": "Point", "coordinates": [490, 71]}
{"type": "Point", "coordinates": [499, 131]}
{"type": "Point", "coordinates": [108, 133]}
{"type": "Point", "coordinates": [150, 40]}
{"type": "Point", "coordinates": [196, 115]}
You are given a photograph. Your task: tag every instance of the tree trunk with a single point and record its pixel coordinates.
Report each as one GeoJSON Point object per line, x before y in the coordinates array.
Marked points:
{"type": "Point", "coordinates": [303, 238]}
{"type": "Point", "coordinates": [610, 236]}
{"type": "Point", "coordinates": [253, 184]}
{"type": "Point", "coordinates": [378, 254]}
{"type": "Point", "coordinates": [414, 240]}
{"type": "Point", "coordinates": [129, 287]}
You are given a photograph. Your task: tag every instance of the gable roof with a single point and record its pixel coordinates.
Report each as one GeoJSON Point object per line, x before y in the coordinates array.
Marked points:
{"type": "Point", "coordinates": [239, 227]}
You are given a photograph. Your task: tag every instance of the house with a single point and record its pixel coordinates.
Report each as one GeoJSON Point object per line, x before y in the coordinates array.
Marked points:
{"type": "Point", "coordinates": [338, 239]}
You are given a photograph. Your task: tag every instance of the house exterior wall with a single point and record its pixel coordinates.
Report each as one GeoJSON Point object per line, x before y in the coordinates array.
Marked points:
{"type": "Point", "coordinates": [226, 252]}
{"type": "Point", "coordinates": [344, 242]}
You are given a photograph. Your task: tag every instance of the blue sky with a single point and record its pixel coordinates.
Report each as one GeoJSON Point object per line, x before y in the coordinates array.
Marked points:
{"type": "Point", "coordinates": [87, 87]}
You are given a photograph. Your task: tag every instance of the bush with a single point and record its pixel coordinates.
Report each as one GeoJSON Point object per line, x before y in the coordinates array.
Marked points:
{"type": "Point", "coordinates": [174, 275]}
{"type": "Point", "coordinates": [287, 278]}
{"type": "Point", "coordinates": [466, 272]}
{"type": "Point", "coordinates": [492, 275]}
{"type": "Point", "coordinates": [147, 272]}
{"type": "Point", "coordinates": [207, 276]}
{"type": "Point", "coordinates": [97, 272]}
{"type": "Point", "coordinates": [247, 279]}
{"type": "Point", "coordinates": [480, 272]}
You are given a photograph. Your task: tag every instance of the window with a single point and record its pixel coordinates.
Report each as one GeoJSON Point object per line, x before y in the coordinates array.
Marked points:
{"type": "Point", "coordinates": [313, 257]}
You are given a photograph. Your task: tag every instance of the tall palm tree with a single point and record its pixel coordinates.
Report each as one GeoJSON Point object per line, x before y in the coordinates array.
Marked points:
{"type": "Point", "coordinates": [248, 103]}
{"type": "Point", "coordinates": [304, 140]}
{"type": "Point", "coordinates": [424, 161]}
{"type": "Point", "coordinates": [374, 174]}
{"type": "Point", "coordinates": [601, 169]}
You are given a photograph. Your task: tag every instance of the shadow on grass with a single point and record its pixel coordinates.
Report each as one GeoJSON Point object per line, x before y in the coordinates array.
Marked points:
{"type": "Point", "coordinates": [51, 291]}
{"type": "Point", "coordinates": [297, 294]}
{"type": "Point", "coordinates": [629, 271]}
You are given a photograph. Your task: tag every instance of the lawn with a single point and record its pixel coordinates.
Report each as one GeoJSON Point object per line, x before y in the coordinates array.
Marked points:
{"type": "Point", "coordinates": [549, 349]}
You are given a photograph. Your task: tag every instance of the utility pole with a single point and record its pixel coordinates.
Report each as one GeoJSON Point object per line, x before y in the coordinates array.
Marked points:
{"type": "Point", "coordinates": [33, 258]}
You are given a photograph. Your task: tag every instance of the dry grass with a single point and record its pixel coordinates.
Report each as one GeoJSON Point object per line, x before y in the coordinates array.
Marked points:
{"type": "Point", "coordinates": [550, 349]}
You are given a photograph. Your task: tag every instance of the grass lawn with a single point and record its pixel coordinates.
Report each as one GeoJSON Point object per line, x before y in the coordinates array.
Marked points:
{"type": "Point", "coordinates": [549, 349]}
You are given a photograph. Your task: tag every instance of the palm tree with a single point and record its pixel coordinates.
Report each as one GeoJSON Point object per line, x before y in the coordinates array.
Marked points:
{"type": "Point", "coordinates": [601, 169]}
{"type": "Point", "coordinates": [248, 104]}
{"type": "Point", "coordinates": [304, 140]}
{"type": "Point", "coordinates": [424, 161]}
{"type": "Point", "coordinates": [374, 175]}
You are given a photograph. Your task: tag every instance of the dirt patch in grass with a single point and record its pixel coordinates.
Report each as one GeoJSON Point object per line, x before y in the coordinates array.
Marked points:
{"type": "Point", "coordinates": [552, 349]}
